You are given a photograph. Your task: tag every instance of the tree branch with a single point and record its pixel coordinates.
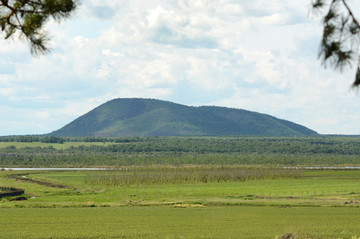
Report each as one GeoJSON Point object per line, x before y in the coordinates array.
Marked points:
{"type": "Point", "coordinates": [351, 14]}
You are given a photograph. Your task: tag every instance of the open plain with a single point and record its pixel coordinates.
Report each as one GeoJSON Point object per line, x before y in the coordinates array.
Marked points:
{"type": "Point", "coordinates": [181, 200]}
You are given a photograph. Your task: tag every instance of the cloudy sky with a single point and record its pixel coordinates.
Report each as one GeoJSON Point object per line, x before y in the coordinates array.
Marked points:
{"type": "Point", "coordinates": [259, 55]}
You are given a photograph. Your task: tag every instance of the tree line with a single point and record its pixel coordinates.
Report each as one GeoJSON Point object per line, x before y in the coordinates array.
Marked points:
{"type": "Point", "coordinates": [183, 150]}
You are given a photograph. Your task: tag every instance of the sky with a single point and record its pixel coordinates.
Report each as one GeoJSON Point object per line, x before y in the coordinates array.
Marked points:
{"type": "Point", "coordinates": [258, 55]}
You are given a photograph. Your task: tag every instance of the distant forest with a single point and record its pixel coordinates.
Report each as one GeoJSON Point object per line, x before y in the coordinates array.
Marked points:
{"type": "Point", "coordinates": [133, 151]}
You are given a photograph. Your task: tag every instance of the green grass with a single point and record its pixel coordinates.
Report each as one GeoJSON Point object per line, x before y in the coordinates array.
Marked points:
{"type": "Point", "coordinates": [187, 175]}
{"type": "Point", "coordinates": [199, 191]}
{"type": "Point", "coordinates": [166, 222]}
{"type": "Point", "coordinates": [317, 204]}
{"type": "Point", "coordinates": [65, 145]}
{"type": "Point", "coordinates": [312, 188]}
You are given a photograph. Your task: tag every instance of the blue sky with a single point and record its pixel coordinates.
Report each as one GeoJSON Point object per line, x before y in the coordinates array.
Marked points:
{"type": "Point", "coordinates": [259, 55]}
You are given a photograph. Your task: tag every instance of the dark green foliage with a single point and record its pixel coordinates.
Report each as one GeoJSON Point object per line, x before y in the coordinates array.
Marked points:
{"type": "Point", "coordinates": [10, 191]}
{"type": "Point", "coordinates": [148, 117]}
{"type": "Point", "coordinates": [30, 139]}
{"type": "Point", "coordinates": [341, 32]}
{"type": "Point", "coordinates": [132, 151]}
{"type": "Point", "coordinates": [29, 16]}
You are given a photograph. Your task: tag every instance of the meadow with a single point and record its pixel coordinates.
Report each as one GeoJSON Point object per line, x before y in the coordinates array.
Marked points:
{"type": "Point", "coordinates": [264, 187]}
{"type": "Point", "coordinates": [307, 203]}
{"type": "Point", "coordinates": [168, 222]}
{"type": "Point", "coordinates": [186, 188]}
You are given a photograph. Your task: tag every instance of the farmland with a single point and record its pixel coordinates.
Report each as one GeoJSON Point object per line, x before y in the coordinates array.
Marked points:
{"type": "Point", "coordinates": [92, 189]}
{"type": "Point", "coordinates": [186, 188]}
{"type": "Point", "coordinates": [310, 204]}
{"type": "Point", "coordinates": [167, 222]}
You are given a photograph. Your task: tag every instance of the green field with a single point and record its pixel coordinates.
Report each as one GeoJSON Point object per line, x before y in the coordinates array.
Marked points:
{"type": "Point", "coordinates": [309, 204]}
{"type": "Point", "coordinates": [311, 188]}
{"type": "Point", "coordinates": [178, 187]}
{"type": "Point", "coordinates": [62, 146]}
{"type": "Point", "coordinates": [166, 222]}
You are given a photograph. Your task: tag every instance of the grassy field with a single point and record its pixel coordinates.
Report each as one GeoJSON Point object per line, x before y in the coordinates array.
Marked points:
{"type": "Point", "coordinates": [168, 222]}
{"type": "Point", "coordinates": [309, 204]}
{"type": "Point", "coordinates": [65, 145]}
{"type": "Point", "coordinates": [306, 188]}
{"type": "Point", "coordinates": [179, 187]}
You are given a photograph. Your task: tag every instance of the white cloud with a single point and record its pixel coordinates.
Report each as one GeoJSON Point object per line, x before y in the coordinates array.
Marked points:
{"type": "Point", "coordinates": [257, 55]}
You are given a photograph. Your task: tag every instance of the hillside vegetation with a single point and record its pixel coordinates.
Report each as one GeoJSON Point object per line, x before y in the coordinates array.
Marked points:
{"type": "Point", "coordinates": [149, 117]}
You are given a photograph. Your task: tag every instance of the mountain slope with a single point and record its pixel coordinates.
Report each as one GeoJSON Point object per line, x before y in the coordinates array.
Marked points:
{"type": "Point", "coordinates": [149, 117]}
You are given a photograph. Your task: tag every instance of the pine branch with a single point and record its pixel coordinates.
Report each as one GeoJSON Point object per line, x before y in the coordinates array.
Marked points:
{"type": "Point", "coordinates": [351, 13]}
{"type": "Point", "coordinates": [28, 17]}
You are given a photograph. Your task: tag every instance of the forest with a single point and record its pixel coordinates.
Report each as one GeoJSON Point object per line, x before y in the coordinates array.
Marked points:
{"type": "Point", "coordinates": [37, 151]}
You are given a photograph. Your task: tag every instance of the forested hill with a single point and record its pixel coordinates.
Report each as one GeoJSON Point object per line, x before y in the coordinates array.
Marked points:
{"type": "Point", "coordinates": [150, 117]}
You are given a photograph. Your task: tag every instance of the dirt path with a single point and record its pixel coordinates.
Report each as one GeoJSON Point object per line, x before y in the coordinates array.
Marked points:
{"type": "Point", "coordinates": [22, 177]}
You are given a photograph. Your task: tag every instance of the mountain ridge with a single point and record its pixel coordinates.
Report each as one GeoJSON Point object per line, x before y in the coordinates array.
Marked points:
{"type": "Point", "coordinates": [152, 117]}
